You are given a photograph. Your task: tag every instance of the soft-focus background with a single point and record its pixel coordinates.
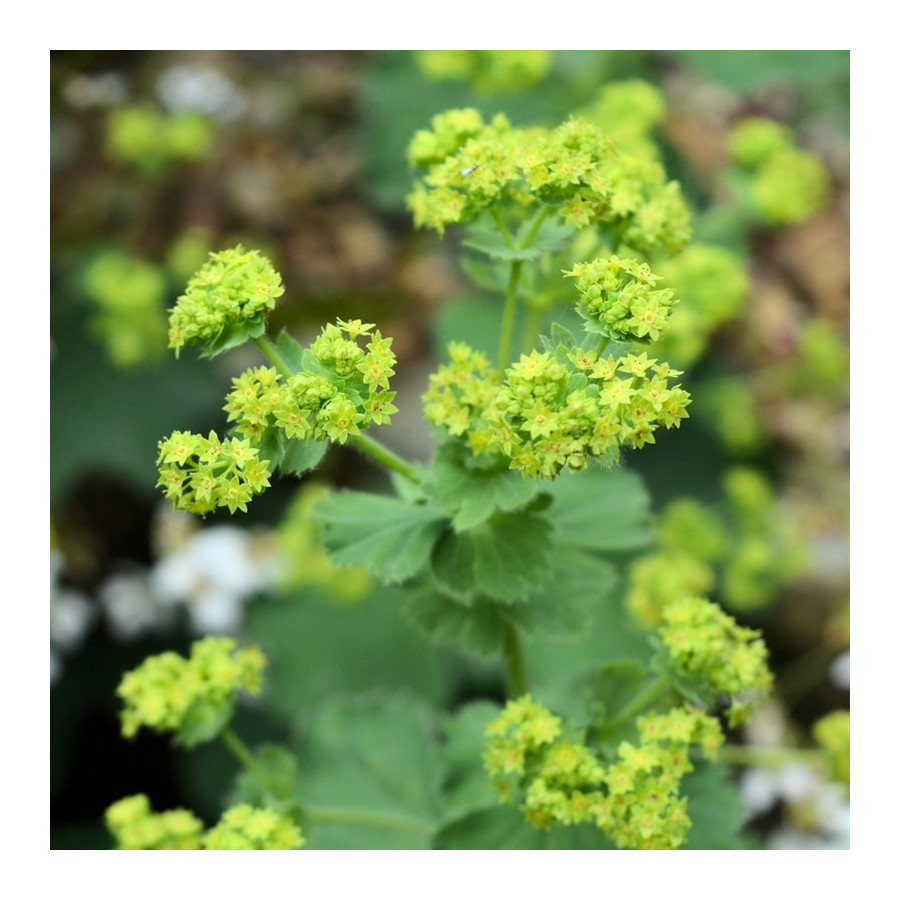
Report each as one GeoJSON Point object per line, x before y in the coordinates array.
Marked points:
{"type": "Point", "coordinates": [158, 157]}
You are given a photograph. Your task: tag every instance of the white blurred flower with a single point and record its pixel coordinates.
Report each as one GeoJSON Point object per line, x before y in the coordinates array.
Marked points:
{"type": "Point", "coordinates": [131, 605]}
{"type": "Point", "coordinates": [193, 87]}
{"type": "Point", "coordinates": [213, 575]}
{"type": "Point", "coordinates": [71, 614]}
{"type": "Point", "coordinates": [840, 671]}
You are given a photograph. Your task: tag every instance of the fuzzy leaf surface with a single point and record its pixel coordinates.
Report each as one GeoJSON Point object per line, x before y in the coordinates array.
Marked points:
{"type": "Point", "coordinates": [389, 537]}
{"type": "Point", "coordinates": [371, 775]}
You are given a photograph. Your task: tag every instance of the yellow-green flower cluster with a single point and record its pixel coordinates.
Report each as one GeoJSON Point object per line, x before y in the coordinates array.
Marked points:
{"type": "Point", "coordinates": [488, 71]}
{"type": "Point", "coordinates": [715, 654]}
{"type": "Point", "coordinates": [575, 169]}
{"type": "Point", "coordinates": [712, 285]}
{"type": "Point", "coordinates": [343, 390]}
{"type": "Point", "coordinates": [244, 827]}
{"type": "Point", "coordinates": [199, 474]}
{"type": "Point", "coordinates": [145, 137]}
{"type": "Point", "coordinates": [233, 290]}
{"type": "Point", "coordinates": [129, 316]}
{"type": "Point", "coordinates": [192, 697]}
{"type": "Point", "coordinates": [635, 800]}
{"type": "Point", "coordinates": [549, 414]}
{"type": "Point", "coordinates": [832, 733]}
{"type": "Point", "coordinates": [658, 579]}
{"type": "Point", "coordinates": [617, 299]}
{"type": "Point", "coordinates": [135, 826]}
{"type": "Point", "coordinates": [788, 184]}
{"type": "Point", "coordinates": [629, 111]}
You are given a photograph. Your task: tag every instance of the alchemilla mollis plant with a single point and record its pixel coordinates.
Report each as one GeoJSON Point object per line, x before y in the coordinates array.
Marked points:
{"type": "Point", "coordinates": [518, 528]}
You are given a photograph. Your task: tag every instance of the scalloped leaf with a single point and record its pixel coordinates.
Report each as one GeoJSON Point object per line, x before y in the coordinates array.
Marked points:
{"type": "Point", "coordinates": [372, 763]}
{"type": "Point", "coordinates": [600, 509]}
{"type": "Point", "coordinates": [391, 538]}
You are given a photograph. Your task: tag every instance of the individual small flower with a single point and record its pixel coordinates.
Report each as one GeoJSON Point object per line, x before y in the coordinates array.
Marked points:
{"type": "Point", "coordinates": [226, 301]}
{"type": "Point", "coordinates": [193, 697]}
{"type": "Point", "coordinates": [244, 827]}
{"type": "Point", "coordinates": [135, 826]}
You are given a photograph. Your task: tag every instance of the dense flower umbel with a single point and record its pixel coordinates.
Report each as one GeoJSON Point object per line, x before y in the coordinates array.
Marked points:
{"type": "Point", "coordinates": [135, 826]}
{"type": "Point", "coordinates": [244, 827]}
{"type": "Point", "coordinates": [617, 299]}
{"type": "Point", "coordinates": [574, 169]}
{"type": "Point", "coordinates": [199, 474]}
{"type": "Point", "coordinates": [715, 655]}
{"type": "Point", "coordinates": [342, 389]}
{"type": "Point", "coordinates": [554, 410]}
{"type": "Point", "coordinates": [634, 800]}
{"type": "Point", "coordinates": [168, 693]}
{"type": "Point", "coordinates": [234, 289]}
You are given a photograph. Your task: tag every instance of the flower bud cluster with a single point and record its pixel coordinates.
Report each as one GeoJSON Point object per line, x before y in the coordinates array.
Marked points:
{"type": "Point", "coordinates": [199, 474]}
{"type": "Point", "coordinates": [658, 579]}
{"type": "Point", "coordinates": [488, 71]}
{"type": "Point", "coordinates": [617, 299]}
{"type": "Point", "coordinates": [167, 693]}
{"type": "Point", "coordinates": [244, 827]}
{"type": "Point", "coordinates": [145, 137]}
{"type": "Point", "coordinates": [832, 733]}
{"type": "Point", "coordinates": [635, 800]}
{"type": "Point", "coordinates": [712, 652]}
{"type": "Point", "coordinates": [789, 185]}
{"type": "Point", "coordinates": [712, 285]}
{"type": "Point", "coordinates": [135, 826]}
{"type": "Point", "coordinates": [234, 288]}
{"type": "Point", "coordinates": [554, 410]}
{"type": "Point", "coordinates": [575, 169]}
{"type": "Point", "coordinates": [342, 389]}
{"type": "Point", "coordinates": [629, 111]}
{"type": "Point", "coordinates": [129, 314]}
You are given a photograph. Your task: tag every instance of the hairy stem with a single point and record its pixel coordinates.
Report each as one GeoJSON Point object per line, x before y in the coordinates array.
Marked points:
{"type": "Point", "coordinates": [243, 755]}
{"type": "Point", "coordinates": [366, 817]}
{"type": "Point", "coordinates": [385, 457]}
{"type": "Point", "coordinates": [514, 661]}
{"type": "Point", "coordinates": [274, 357]}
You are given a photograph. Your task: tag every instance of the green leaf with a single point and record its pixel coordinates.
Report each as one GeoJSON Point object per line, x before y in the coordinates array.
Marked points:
{"type": "Point", "coordinates": [473, 495]}
{"type": "Point", "coordinates": [505, 828]}
{"type": "Point", "coordinates": [290, 351]}
{"type": "Point", "coordinates": [503, 558]}
{"type": "Point", "coordinates": [316, 648]}
{"type": "Point", "coordinates": [204, 722]}
{"type": "Point", "coordinates": [476, 629]}
{"type": "Point", "coordinates": [277, 767]}
{"type": "Point", "coordinates": [552, 234]}
{"type": "Point", "coordinates": [715, 809]}
{"type": "Point", "coordinates": [233, 336]}
{"type": "Point", "coordinates": [600, 509]}
{"type": "Point", "coordinates": [390, 537]}
{"type": "Point", "coordinates": [371, 776]}
{"type": "Point", "coordinates": [572, 593]}
{"type": "Point", "coordinates": [490, 242]}
{"type": "Point", "coordinates": [467, 785]}
{"type": "Point", "coordinates": [301, 456]}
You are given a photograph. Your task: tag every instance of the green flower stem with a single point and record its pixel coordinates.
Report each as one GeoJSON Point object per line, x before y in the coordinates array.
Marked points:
{"type": "Point", "coordinates": [509, 314]}
{"type": "Point", "coordinates": [245, 757]}
{"type": "Point", "coordinates": [542, 214]}
{"type": "Point", "coordinates": [386, 457]}
{"type": "Point", "coordinates": [365, 817]}
{"type": "Point", "coordinates": [514, 661]}
{"type": "Point", "coordinates": [274, 357]}
{"type": "Point", "coordinates": [602, 344]}
{"type": "Point", "coordinates": [767, 757]}
{"type": "Point", "coordinates": [501, 227]}
{"type": "Point", "coordinates": [654, 691]}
